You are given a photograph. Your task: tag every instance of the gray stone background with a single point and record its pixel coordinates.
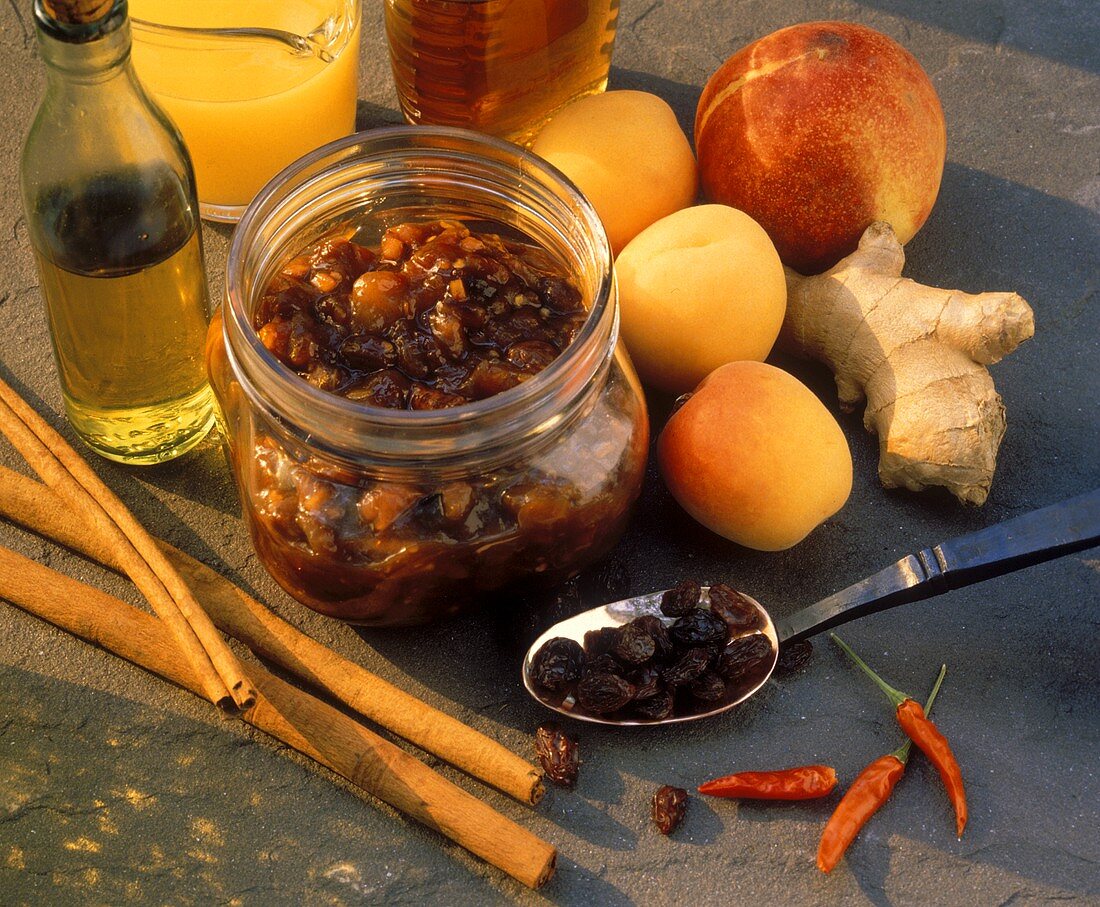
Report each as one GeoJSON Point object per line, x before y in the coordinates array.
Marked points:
{"type": "Point", "coordinates": [117, 788]}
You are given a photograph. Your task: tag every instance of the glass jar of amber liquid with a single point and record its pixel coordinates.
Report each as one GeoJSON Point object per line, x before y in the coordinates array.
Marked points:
{"type": "Point", "coordinates": [112, 215]}
{"type": "Point", "coordinates": [386, 516]}
{"type": "Point", "coordinates": [503, 67]}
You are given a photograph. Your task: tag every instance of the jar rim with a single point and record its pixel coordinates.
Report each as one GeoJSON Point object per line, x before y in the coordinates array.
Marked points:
{"type": "Point", "coordinates": [247, 353]}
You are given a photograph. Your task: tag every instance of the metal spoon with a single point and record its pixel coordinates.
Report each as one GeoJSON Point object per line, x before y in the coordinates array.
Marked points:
{"type": "Point", "coordinates": [1041, 535]}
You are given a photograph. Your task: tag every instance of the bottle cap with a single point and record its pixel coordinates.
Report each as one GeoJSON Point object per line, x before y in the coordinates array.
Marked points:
{"type": "Point", "coordinates": [77, 12]}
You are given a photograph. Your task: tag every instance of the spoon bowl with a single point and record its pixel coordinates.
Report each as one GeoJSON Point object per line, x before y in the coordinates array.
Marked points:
{"type": "Point", "coordinates": [618, 614]}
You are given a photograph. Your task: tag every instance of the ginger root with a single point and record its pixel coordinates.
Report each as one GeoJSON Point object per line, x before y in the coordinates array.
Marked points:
{"type": "Point", "coordinates": [918, 355]}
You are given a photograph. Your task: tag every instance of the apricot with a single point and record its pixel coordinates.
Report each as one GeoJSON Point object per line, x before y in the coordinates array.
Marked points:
{"type": "Point", "coordinates": [626, 152]}
{"type": "Point", "coordinates": [818, 130]}
{"type": "Point", "coordinates": [754, 456]}
{"type": "Point", "coordinates": [699, 288]}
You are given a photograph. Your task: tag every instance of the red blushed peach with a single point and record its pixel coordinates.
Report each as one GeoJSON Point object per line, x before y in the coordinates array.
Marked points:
{"type": "Point", "coordinates": [818, 130]}
{"type": "Point", "coordinates": [754, 456]}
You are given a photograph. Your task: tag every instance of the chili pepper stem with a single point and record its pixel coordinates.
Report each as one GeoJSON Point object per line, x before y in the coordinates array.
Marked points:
{"type": "Point", "coordinates": [902, 752]}
{"type": "Point", "coordinates": [895, 696]}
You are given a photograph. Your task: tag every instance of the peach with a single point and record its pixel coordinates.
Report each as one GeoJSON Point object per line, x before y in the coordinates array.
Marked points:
{"type": "Point", "coordinates": [699, 288]}
{"type": "Point", "coordinates": [816, 131]}
{"type": "Point", "coordinates": [754, 456]}
{"type": "Point", "coordinates": [627, 153]}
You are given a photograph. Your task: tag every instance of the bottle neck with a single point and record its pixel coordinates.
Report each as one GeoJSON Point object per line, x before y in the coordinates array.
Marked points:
{"type": "Point", "coordinates": [85, 52]}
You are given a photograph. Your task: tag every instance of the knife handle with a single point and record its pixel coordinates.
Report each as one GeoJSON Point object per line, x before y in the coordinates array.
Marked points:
{"type": "Point", "coordinates": [1038, 536]}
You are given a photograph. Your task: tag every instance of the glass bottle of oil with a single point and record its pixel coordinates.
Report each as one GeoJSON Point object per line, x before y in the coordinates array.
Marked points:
{"type": "Point", "coordinates": [109, 195]}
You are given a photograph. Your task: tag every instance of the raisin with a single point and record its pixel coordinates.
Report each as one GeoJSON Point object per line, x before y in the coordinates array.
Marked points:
{"type": "Point", "coordinates": [326, 377]}
{"type": "Point", "coordinates": [687, 667]}
{"type": "Point", "coordinates": [602, 694]}
{"type": "Point", "coordinates": [558, 755]}
{"type": "Point", "coordinates": [656, 628]}
{"type": "Point", "coordinates": [612, 580]}
{"type": "Point", "coordinates": [681, 599]}
{"type": "Point", "coordinates": [669, 806]}
{"type": "Point", "coordinates": [739, 613]}
{"type": "Point", "coordinates": [601, 641]}
{"type": "Point", "coordinates": [418, 355]}
{"type": "Point", "coordinates": [744, 655]}
{"type": "Point", "coordinates": [654, 708]}
{"type": "Point", "coordinates": [603, 664]}
{"type": "Point", "coordinates": [445, 322]}
{"type": "Point", "coordinates": [647, 683]}
{"type": "Point", "coordinates": [559, 295]}
{"type": "Point", "coordinates": [489, 378]}
{"type": "Point", "coordinates": [557, 663]}
{"type": "Point", "coordinates": [699, 628]}
{"type": "Point", "coordinates": [709, 687]}
{"type": "Point", "coordinates": [634, 646]}
{"type": "Point", "coordinates": [367, 352]}
{"type": "Point", "coordinates": [435, 257]}
{"type": "Point", "coordinates": [531, 355]}
{"type": "Point", "coordinates": [333, 311]}
{"type": "Point", "coordinates": [387, 388]}
{"type": "Point", "coordinates": [794, 656]}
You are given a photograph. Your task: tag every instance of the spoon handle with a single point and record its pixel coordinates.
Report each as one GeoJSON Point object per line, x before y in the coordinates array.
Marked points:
{"type": "Point", "coordinates": [1038, 536]}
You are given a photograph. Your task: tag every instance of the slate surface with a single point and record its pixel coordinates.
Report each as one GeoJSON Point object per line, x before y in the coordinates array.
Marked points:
{"type": "Point", "coordinates": [116, 788]}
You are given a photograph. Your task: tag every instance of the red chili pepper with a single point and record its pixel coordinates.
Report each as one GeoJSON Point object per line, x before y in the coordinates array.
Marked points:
{"type": "Point", "coordinates": [862, 800]}
{"type": "Point", "coordinates": [803, 783]}
{"type": "Point", "coordinates": [925, 735]}
{"type": "Point", "coordinates": [868, 792]}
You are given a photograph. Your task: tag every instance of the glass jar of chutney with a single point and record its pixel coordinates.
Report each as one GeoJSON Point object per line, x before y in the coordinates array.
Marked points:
{"type": "Point", "coordinates": [391, 516]}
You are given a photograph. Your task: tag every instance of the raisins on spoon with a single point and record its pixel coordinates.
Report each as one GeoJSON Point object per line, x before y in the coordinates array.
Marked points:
{"type": "Point", "coordinates": [602, 694]}
{"type": "Point", "coordinates": [669, 806]}
{"type": "Point", "coordinates": [686, 668]}
{"type": "Point", "coordinates": [656, 628]}
{"type": "Point", "coordinates": [634, 646]}
{"type": "Point", "coordinates": [557, 663]}
{"type": "Point", "coordinates": [699, 628]}
{"type": "Point", "coordinates": [604, 664]}
{"type": "Point", "coordinates": [735, 609]}
{"type": "Point", "coordinates": [558, 755]}
{"type": "Point", "coordinates": [708, 687]}
{"type": "Point", "coordinates": [647, 683]}
{"type": "Point", "coordinates": [612, 580]}
{"type": "Point", "coordinates": [601, 641]}
{"type": "Point", "coordinates": [681, 599]}
{"type": "Point", "coordinates": [655, 708]}
{"type": "Point", "coordinates": [744, 655]}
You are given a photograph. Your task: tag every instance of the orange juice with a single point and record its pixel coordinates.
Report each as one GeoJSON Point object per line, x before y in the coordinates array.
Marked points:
{"type": "Point", "coordinates": [249, 104]}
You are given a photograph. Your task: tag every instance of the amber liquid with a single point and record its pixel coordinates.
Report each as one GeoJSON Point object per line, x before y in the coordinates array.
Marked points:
{"type": "Point", "coordinates": [128, 312]}
{"type": "Point", "coordinates": [499, 66]}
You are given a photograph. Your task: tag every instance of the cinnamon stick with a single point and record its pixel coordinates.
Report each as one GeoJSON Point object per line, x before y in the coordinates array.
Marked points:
{"type": "Point", "coordinates": [29, 503]}
{"type": "Point", "coordinates": [310, 726]}
{"type": "Point", "coordinates": [65, 471]}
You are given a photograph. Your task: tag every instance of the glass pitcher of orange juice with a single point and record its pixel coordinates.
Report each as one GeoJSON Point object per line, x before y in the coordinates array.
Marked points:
{"type": "Point", "coordinates": [251, 84]}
